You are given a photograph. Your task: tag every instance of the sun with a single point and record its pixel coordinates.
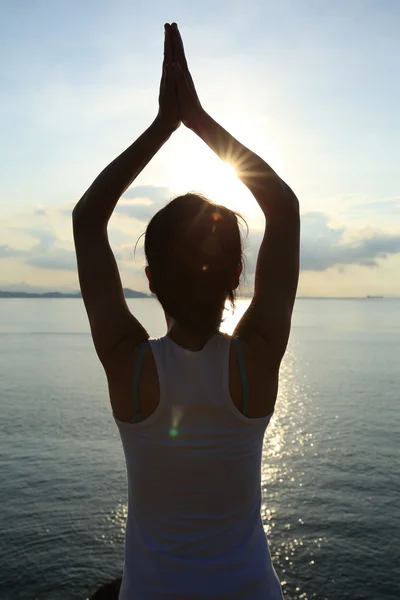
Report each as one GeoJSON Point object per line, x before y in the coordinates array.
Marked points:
{"type": "Point", "coordinates": [202, 171]}
{"type": "Point", "coordinates": [222, 182]}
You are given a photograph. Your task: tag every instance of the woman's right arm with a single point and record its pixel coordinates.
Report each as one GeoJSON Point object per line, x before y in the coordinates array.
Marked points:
{"type": "Point", "coordinates": [266, 323]}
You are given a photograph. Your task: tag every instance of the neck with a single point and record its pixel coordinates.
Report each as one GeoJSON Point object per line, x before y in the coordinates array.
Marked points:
{"type": "Point", "coordinates": [190, 340]}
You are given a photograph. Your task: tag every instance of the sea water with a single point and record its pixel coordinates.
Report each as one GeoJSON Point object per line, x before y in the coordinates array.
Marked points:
{"type": "Point", "coordinates": [331, 464]}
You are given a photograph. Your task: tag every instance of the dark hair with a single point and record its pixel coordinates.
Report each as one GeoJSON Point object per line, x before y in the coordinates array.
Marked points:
{"type": "Point", "coordinates": [193, 248]}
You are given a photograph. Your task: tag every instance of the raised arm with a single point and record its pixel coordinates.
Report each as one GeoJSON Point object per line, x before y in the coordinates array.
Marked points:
{"type": "Point", "coordinates": [109, 316]}
{"type": "Point", "coordinates": [266, 323]}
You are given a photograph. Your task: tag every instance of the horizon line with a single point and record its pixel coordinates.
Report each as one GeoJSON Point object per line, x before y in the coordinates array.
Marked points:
{"type": "Point", "coordinates": [147, 295]}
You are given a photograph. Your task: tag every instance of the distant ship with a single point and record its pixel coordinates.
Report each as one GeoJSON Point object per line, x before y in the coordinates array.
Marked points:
{"type": "Point", "coordinates": [373, 297]}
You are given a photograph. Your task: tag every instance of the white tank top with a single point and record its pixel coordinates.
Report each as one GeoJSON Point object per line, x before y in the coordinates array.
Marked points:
{"type": "Point", "coordinates": [194, 529]}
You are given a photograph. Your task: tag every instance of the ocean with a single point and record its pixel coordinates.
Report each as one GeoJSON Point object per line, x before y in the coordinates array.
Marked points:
{"type": "Point", "coordinates": [331, 464]}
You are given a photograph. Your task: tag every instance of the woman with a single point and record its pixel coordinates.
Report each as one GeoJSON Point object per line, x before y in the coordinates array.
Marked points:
{"type": "Point", "coordinates": [192, 407]}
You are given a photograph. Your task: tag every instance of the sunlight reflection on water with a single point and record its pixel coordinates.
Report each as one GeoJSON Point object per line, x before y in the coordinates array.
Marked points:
{"type": "Point", "coordinates": [115, 525]}
{"type": "Point", "coordinates": [288, 441]}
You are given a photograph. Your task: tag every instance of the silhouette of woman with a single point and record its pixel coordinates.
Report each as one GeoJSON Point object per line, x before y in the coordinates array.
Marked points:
{"type": "Point", "coordinates": [192, 407]}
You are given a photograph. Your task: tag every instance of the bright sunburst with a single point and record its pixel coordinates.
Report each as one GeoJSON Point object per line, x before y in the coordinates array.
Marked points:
{"type": "Point", "coordinates": [222, 182]}
{"type": "Point", "coordinates": [202, 171]}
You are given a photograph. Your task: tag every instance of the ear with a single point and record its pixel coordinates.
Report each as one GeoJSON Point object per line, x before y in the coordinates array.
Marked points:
{"type": "Point", "coordinates": [149, 277]}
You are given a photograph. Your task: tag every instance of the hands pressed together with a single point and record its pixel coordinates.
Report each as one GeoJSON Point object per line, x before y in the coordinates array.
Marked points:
{"type": "Point", "coordinates": [178, 100]}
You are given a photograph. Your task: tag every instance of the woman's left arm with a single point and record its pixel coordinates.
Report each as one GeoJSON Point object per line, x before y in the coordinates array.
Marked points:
{"type": "Point", "coordinates": [102, 292]}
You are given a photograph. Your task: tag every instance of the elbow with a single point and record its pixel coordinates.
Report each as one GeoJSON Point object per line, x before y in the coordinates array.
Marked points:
{"type": "Point", "coordinates": [284, 208]}
{"type": "Point", "coordinates": [82, 218]}
{"type": "Point", "coordinates": [279, 201]}
{"type": "Point", "coordinates": [77, 212]}
{"type": "Point", "coordinates": [81, 221]}
{"type": "Point", "coordinates": [78, 218]}
{"type": "Point", "coordinates": [295, 205]}
{"type": "Point", "coordinates": [290, 197]}
{"type": "Point", "coordinates": [90, 212]}
{"type": "Point", "coordinates": [290, 204]}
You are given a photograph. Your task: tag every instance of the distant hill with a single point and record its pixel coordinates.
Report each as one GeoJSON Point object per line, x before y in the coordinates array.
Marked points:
{"type": "Point", "coordinates": [127, 292]}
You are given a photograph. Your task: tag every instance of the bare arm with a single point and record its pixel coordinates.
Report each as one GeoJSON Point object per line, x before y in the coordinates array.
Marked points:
{"type": "Point", "coordinates": [100, 282]}
{"type": "Point", "coordinates": [97, 204]}
{"type": "Point", "coordinates": [266, 323]}
{"type": "Point", "coordinates": [109, 316]}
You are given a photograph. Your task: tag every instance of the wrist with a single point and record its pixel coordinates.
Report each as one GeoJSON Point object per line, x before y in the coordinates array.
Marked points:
{"type": "Point", "coordinates": [164, 127]}
{"type": "Point", "coordinates": [200, 122]}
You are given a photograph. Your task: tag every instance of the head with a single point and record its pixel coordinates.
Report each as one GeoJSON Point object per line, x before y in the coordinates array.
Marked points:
{"type": "Point", "coordinates": [194, 258]}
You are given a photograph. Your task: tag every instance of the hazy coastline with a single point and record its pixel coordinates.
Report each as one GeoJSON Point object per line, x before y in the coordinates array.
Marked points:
{"type": "Point", "coordinates": [128, 293]}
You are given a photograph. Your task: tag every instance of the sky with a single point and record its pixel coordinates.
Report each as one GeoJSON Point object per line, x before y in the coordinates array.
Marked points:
{"type": "Point", "coordinates": [312, 86]}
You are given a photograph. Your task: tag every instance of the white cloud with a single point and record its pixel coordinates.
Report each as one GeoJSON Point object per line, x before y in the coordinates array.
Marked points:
{"type": "Point", "coordinates": [324, 246]}
{"type": "Point", "coordinates": [42, 242]}
{"type": "Point", "coordinates": [7, 251]}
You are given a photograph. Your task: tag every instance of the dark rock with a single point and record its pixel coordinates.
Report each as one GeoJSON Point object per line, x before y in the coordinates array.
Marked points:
{"type": "Point", "coordinates": [108, 591]}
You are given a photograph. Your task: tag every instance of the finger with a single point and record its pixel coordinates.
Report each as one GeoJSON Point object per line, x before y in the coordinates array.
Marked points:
{"type": "Point", "coordinates": [168, 58]}
{"type": "Point", "coordinates": [178, 49]}
{"type": "Point", "coordinates": [181, 80]}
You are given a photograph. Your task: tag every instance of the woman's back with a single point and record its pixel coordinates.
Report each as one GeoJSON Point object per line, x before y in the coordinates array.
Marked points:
{"type": "Point", "coordinates": [194, 528]}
